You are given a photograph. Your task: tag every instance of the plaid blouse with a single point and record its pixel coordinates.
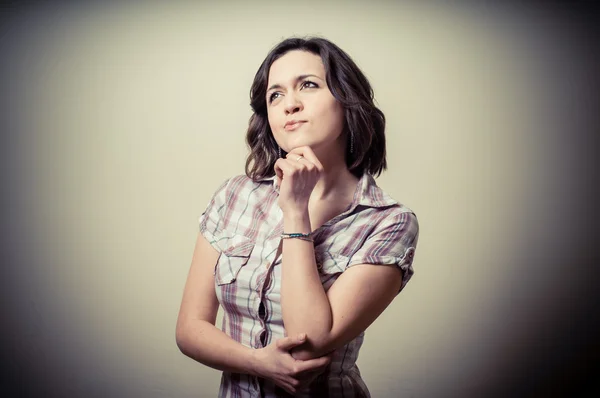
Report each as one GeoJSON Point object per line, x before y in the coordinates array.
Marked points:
{"type": "Point", "coordinates": [243, 221]}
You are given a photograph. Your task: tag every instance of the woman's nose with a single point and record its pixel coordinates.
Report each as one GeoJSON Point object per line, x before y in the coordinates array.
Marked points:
{"type": "Point", "coordinates": [292, 105]}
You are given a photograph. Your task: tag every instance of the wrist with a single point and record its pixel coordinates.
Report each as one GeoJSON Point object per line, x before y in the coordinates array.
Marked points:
{"type": "Point", "coordinates": [254, 363]}
{"type": "Point", "coordinates": [297, 221]}
{"type": "Point", "coordinates": [295, 211]}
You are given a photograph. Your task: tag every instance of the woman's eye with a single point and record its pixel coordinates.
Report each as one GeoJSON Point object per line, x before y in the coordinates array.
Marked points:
{"type": "Point", "coordinates": [309, 84]}
{"type": "Point", "coordinates": [273, 97]}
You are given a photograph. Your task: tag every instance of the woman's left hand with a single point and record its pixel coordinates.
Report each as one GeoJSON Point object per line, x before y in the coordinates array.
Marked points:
{"type": "Point", "coordinates": [297, 176]}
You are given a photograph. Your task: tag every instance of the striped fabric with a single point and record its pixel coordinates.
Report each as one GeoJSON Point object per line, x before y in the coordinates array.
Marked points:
{"type": "Point", "coordinates": [243, 222]}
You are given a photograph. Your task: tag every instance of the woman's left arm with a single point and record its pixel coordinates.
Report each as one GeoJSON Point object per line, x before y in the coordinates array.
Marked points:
{"type": "Point", "coordinates": [333, 318]}
{"type": "Point", "coordinates": [361, 293]}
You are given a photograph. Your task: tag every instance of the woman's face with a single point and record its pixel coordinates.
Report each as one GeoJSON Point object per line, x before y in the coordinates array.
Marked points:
{"type": "Point", "coordinates": [301, 109]}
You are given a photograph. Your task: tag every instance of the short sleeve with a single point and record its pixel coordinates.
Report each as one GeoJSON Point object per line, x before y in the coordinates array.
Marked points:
{"type": "Point", "coordinates": [211, 220]}
{"type": "Point", "coordinates": [393, 242]}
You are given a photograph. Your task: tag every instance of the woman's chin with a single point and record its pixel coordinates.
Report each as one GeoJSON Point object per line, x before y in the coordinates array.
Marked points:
{"type": "Point", "coordinates": [302, 141]}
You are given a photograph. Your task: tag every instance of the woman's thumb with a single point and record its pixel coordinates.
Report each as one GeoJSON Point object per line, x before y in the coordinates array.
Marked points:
{"type": "Point", "coordinates": [287, 343]}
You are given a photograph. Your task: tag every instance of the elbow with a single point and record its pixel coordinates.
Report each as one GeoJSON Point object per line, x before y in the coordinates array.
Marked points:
{"type": "Point", "coordinates": [313, 347]}
{"type": "Point", "coordinates": [303, 354]}
{"type": "Point", "coordinates": [181, 337]}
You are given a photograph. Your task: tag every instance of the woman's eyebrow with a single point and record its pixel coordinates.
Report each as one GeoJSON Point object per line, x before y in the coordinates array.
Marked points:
{"type": "Point", "coordinates": [296, 80]}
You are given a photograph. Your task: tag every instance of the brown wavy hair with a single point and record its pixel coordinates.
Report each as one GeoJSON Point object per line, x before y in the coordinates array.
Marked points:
{"type": "Point", "coordinates": [364, 122]}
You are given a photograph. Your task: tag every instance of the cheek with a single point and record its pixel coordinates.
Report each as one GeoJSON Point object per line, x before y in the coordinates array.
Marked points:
{"type": "Point", "coordinates": [272, 120]}
{"type": "Point", "coordinates": [333, 113]}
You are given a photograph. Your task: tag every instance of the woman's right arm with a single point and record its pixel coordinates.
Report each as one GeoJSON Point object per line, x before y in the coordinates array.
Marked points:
{"type": "Point", "coordinates": [196, 334]}
{"type": "Point", "coordinates": [198, 338]}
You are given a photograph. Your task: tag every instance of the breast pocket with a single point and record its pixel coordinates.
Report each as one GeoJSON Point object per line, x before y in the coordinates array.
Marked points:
{"type": "Point", "coordinates": [235, 254]}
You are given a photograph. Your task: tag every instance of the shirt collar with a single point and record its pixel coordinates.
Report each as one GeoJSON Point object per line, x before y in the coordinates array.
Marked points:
{"type": "Point", "coordinates": [273, 182]}
{"type": "Point", "coordinates": [367, 192]}
{"type": "Point", "coordinates": [370, 195]}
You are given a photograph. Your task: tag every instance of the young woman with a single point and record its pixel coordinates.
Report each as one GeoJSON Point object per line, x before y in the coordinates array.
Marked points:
{"type": "Point", "coordinates": [305, 251]}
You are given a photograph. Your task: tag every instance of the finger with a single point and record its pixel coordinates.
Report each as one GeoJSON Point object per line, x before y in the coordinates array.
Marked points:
{"type": "Point", "coordinates": [312, 364]}
{"type": "Point", "coordinates": [308, 154]}
{"type": "Point", "coordinates": [288, 385]}
{"type": "Point", "coordinates": [311, 157]}
{"type": "Point", "coordinates": [278, 174]}
{"type": "Point", "coordinates": [297, 157]}
{"type": "Point", "coordinates": [299, 162]}
{"type": "Point", "coordinates": [309, 375]}
{"type": "Point", "coordinates": [287, 343]}
{"type": "Point", "coordinates": [308, 378]}
{"type": "Point", "coordinates": [285, 386]}
{"type": "Point", "coordinates": [312, 373]}
{"type": "Point", "coordinates": [282, 169]}
{"type": "Point", "coordinates": [294, 156]}
{"type": "Point", "coordinates": [277, 168]}
{"type": "Point", "coordinates": [287, 167]}
{"type": "Point", "coordinates": [297, 150]}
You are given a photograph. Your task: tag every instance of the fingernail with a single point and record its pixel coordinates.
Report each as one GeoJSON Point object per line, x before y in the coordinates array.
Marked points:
{"type": "Point", "coordinates": [302, 336]}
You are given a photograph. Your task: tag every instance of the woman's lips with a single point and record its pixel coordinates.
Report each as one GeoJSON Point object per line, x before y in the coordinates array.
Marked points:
{"type": "Point", "coordinates": [293, 126]}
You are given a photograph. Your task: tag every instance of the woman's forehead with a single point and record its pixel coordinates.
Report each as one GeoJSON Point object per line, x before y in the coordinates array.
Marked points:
{"type": "Point", "coordinates": [295, 63]}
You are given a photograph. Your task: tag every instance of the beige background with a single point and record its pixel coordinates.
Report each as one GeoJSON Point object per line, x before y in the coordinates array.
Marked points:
{"type": "Point", "coordinates": [121, 120]}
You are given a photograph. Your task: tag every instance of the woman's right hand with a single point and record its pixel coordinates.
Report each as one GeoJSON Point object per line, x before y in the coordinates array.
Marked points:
{"type": "Point", "coordinates": [275, 362]}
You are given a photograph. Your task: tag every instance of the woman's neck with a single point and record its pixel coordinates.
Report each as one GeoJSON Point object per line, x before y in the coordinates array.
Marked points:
{"type": "Point", "coordinates": [336, 183]}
